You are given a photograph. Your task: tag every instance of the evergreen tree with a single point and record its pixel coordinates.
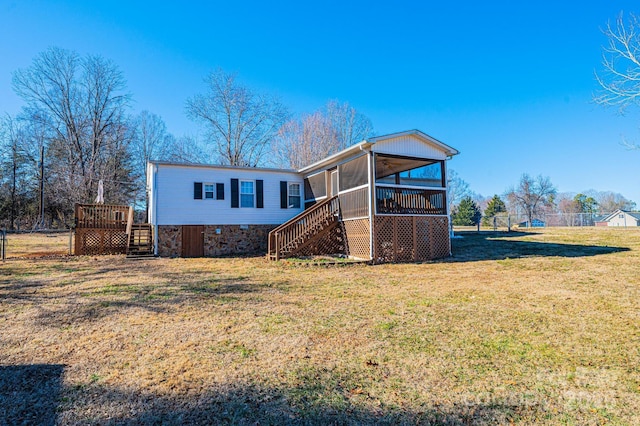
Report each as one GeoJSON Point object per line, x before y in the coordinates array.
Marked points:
{"type": "Point", "coordinates": [467, 214]}
{"type": "Point", "coordinates": [495, 206]}
{"type": "Point", "coordinates": [586, 204]}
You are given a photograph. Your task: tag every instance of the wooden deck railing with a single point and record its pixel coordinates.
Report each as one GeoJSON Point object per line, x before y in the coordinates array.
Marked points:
{"type": "Point", "coordinates": [397, 200]}
{"type": "Point", "coordinates": [102, 216]}
{"type": "Point", "coordinates": [286, 237]}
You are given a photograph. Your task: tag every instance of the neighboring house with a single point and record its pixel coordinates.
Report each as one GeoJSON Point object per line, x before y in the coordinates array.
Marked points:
{"type": "Point", "coordinates": [619, 218]}
{"type": "Point", "coordinates": [600, 220]}
{"type": "Point", "coordinates": [383, 199]}
{"type": "Point", "coordinates": [535, 223]}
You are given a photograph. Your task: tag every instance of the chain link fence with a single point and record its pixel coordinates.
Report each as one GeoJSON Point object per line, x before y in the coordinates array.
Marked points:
{"type": "Point", "coordinates": [502, 222]}
{"type": "Point", "coordinates": [41, 244]}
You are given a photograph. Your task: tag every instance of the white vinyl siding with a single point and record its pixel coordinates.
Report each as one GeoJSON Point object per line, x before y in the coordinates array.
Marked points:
{"type": "Point", "coordinates": [173, 202]}
{"type": "Point", "coordinates": [409, 146]}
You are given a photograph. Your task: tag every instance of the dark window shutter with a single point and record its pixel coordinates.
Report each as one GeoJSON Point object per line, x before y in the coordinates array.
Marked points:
{"type": "Point", "coordinates": [197, 190]}
{"type": "Point", "coordinates": [235, 196]}
{"type": "Point", "coordinates": [259, 194]}
{"type": "Point", "coordinates": [284, 202]}
{"type": "Point", "coordinates": [219, 191]}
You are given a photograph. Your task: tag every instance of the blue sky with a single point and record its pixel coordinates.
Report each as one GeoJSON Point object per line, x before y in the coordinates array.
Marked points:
{"type": "Point", "coordinates": [509, 84]}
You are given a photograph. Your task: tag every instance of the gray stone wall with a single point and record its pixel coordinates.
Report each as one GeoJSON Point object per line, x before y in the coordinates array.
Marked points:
{"type": "Point", "coordinates": [169, 240]}
{"type": "Point", "coordinates": [235, 239]}
{"type": "Point", "coordinates": [219, 240]}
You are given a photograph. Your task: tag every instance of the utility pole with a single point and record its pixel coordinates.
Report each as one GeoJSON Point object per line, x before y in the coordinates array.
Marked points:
{"type": "Point", "coordinates": [40, 222]}
{"type": "Point", "coordinates": [13, 184]}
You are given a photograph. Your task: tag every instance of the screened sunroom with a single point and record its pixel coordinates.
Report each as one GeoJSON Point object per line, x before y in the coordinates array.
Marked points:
{"type": "Point", "coordinates": [388, 195]}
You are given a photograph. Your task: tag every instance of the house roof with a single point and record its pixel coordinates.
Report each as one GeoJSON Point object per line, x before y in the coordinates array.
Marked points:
{"type": "Point", "coordinates": [608, 217]}
{"type": "Point", "coordinates": [346, 153]}
{"type": "Point", "coordinates": [218, 166]}
{"type": "Point", "coordinates": [367, 143]}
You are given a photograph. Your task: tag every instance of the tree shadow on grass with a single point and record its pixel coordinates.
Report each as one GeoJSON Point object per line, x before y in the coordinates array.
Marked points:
{"type": "Point", "coordinates": [475, 246]}
{"type": "Point", "coordinates": [30, 394]}
{"type": "Point", "coordinates": [252, 404]}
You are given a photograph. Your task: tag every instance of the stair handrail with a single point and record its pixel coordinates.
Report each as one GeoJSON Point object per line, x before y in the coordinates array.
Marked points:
{"type": "Point", "coordinates": [129, 224]}
{"type": "Point", "coordinates": [289, 227]}
{"type": "Point", "coordinates": [304, 213]}
{"type": "Point", "coordinates": [129, 220]}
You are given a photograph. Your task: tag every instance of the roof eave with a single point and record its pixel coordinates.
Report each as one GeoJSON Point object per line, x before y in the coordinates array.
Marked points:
{"type": "Point", "coordinates": [345, 153]}
{"type": "Point", "coordinates": [219, 166]}
{"type": "Point", "coordinates": [448, 150]}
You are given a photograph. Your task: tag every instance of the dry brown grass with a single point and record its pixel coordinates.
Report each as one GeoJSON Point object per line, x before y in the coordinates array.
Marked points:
{"type": "Point", "coordinates": [37, 244]}
{"type": "Point", "coordinates": [524, 328]}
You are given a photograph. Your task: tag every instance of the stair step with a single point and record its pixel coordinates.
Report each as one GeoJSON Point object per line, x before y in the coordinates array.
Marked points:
{"type": "Point", "coordinates": [140, 241]}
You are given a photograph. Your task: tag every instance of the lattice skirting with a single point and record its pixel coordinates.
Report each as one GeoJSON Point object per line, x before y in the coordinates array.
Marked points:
{"type": "Point", "coordinates": [332, 242]}
{"type": "Point", "coordinates": [358, 238]}
{"type": "Point", "coordinates": [91, 241]}
{"type": "Point", "coordinates": [410, 238]}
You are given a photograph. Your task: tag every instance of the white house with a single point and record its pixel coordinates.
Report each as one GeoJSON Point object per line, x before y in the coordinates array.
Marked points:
{"type": "Point", "coordinates": [383, 199]}
{"type": "Point", "coordinates": [619, 218]}
{"type": "Point", "coordinates": [207, 210]}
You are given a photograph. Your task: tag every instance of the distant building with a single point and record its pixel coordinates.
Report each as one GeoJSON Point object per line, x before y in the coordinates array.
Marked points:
{"type": "Point", "coordinates": [535, 223]}
{"type": "Point", "coordinates": [619, 218]}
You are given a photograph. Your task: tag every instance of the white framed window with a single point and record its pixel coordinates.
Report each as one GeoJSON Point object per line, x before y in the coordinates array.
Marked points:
{"type": "Point", "coordinates": [209, 191]}
{"type": "Point", "coordinates": [247, 193]}
{"type": "Point", "coordinates": [294, 196]}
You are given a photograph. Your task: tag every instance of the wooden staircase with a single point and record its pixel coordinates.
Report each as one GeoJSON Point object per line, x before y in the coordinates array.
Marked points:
{"type": "Point", "coordinates": [139, 238]}
{"type": "Point", "coordinates": [302, 231]}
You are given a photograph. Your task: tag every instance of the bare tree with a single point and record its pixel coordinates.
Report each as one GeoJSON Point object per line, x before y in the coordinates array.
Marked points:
{"type": "Point", "coordinates": [532, 195]}
{"type": "Point", "coordinates": [82, 104]}
{"type": "Point", "coordinates": [305, 141]}
{"type": "Point", "coordinates": [16, 187]}
{"type": "Point", "coordinates": [315, 136]}
{"type": "Point", "coordinates": [241, 124]}
{"type": "Point", "coordinates": [457, 189]}
{"type": "Point", "coordinates": [620, 79]}
{"type": "Point", "coordinates": [349, 124]}
{"type": "Point", "coordinates": [186, 149]}
{"type": "Point", "coordinates": [609, 201]}
{"type": "Point", "coordinates": [150, 141]}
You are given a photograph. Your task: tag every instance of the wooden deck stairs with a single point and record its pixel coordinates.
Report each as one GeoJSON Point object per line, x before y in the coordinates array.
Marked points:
{"type": "Point", "coordinates": [139, 238]}
{"type": "Point", "coordinates": [304, 230]}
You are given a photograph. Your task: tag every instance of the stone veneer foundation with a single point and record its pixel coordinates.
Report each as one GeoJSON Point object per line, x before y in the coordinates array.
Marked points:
{"type": "Point", "coordinates": [232, 240]}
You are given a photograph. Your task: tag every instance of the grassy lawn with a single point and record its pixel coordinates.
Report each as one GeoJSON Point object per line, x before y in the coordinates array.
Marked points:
{"type": "Point", "coordinates": [540, 327]}
{"type": "Point", "coordinates": [37, 245]}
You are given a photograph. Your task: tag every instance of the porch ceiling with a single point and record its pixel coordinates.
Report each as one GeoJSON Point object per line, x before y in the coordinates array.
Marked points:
{"type": "Point", "coordinates": [387, 165]}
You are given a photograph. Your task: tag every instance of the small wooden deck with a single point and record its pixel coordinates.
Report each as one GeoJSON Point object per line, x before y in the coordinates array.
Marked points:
{"type": "Point", "coordinates": [109, 229]}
